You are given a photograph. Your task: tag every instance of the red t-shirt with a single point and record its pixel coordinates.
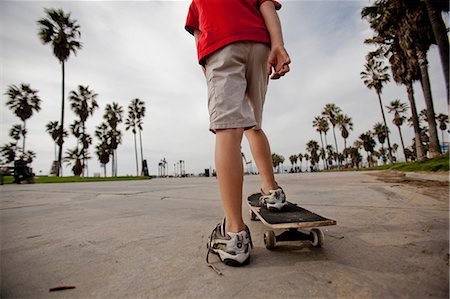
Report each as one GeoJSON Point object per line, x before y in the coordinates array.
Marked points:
{"type": "Point", "coordinates": [222, 22]}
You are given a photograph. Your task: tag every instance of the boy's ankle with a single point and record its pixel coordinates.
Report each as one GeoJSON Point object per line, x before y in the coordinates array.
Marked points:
{"type": "Point", "coordinates": [234, 228]}
{"type": "Point", "coordinates": [265, 189]}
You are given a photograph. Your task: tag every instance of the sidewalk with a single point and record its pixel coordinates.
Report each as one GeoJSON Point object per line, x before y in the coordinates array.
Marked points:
{"type": "Point", "coordinates": [147, 239]}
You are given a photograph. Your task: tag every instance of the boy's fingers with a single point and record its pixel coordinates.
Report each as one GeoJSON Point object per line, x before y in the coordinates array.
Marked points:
{"type": "Point", "coordinates": [281, 72]}
{"type": "Point", "coordinates": [285, 69]}
{"type": "Point", "coordinates": [269, 68]}
{"type": "Point", "coordinates": [275, 76]}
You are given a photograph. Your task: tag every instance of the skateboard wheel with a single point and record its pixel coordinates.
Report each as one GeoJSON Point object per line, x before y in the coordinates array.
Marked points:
{"type": "Point", "coordinates": [316, 237]}
{"type": "Point", "coordinates": [252, 215]}
{"type": "Point", "coordinates": [269, 239]}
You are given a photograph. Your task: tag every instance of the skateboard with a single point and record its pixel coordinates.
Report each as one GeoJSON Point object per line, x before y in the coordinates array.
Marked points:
{"type": "Point", "coordinates": [292, 220]}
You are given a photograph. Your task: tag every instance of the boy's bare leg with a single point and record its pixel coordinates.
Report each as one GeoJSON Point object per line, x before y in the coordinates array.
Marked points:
{"type": "Point", "coordinates": [259, 145]}
{"type": "Point", "coordinates": [230, 174]}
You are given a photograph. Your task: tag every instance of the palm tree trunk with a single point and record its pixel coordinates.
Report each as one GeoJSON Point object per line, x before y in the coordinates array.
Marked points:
{"type": "Point", "coordinates": [136, 154]}
{"type": "Point", "coordinates": [419, 146]}
{"type": "Point", "coordinates": [24, 132]}
{"type": "Point", "coordinates": [440, 34]}
{"type": "Point", "coordinates": [335, 143]}
{"type": "Point", "coordinates": [326, 145]}
{"type": "Point", "coordinates": [434, 149]}
{"type": "Point", "coordinates": [345, 147]}
{"type": "Point", "coordinates": [115, 162]}
{"type": "Point", "coordinates": [86, 166]}
{"type": "Point", "coordinates": [112, 164]}
{"type": "Point", "coordinates": [368, 159]}
{"type": "Point", "coordinates": [83, 154]}
{"type": "Point", "coordinates": [403, 144]}
{"type": "Point", "coordinates": [142, 153]}
{"type": "Point", "coordinates": [61, 132]}
{"type": "Point", "coordinates": [442, 133]}
{"type": "Point", "coordinates": [325, 164]}
{"type": "Point", "coordinates": [391, 160]}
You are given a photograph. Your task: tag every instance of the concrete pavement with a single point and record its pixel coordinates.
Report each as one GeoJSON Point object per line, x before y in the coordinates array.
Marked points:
{"type": "Point", "coordinates": [146, 239]}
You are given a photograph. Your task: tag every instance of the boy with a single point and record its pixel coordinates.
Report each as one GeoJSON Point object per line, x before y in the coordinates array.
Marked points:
{"type": "Point", "coordinates": [239, 45]}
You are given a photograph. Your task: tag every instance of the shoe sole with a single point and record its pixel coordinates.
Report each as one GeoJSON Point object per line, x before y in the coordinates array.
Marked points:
{"type": "Point", "coordinates": [230, 262]}
{"type": "Point", "coordinates": [233, 263]}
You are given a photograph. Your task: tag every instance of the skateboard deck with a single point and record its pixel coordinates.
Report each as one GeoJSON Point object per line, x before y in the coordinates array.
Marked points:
{"type": "Point", "coordinates": [291, 219]}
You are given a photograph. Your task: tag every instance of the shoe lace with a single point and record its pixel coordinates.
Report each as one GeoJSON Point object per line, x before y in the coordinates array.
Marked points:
{"type": "Point", "coordinates": [209, 250]}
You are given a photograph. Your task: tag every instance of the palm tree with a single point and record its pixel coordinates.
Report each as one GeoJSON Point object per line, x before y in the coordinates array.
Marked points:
{"type": "Point", "coordinates": [345, 125]}
{"type": "Point", "coordinates": [8, 152]}
{"type": "Point", "coordinates": [331, 111]}
{"type": "Point", "coordinates": [306, 156]}
{"type": "Point", "coordinates": [434, 9]}
{"type": "Point", "coordinates": [138, 108]}
{"type": "Point", "coordinates": [113, 117]}
{"type": "Point", "coordinates": [300, 158]}
{"type": "Point", "coordinates": [293, 159]}
{"type": "Point", "coordinates": [277, 160]}
{"type": "Point", "coordinates": [15, 132]}
{"type": "Point", "coordinates": [405, 73]}
{"type": "Point", "coordinates": [62, 32]}
{"type": "Point", "coordinates": [30, 155]}
{"type": "Point", "coordinates": [375, 76]}
{"type": "Point", "coordinates": [321, 125]}
{"type": "Point", "coordinates": [398, 108]}
{"type": "Point", "coordinates": [421, 37]}
{"type": "Point", "coordinates": [103, 149]}
{"type": "Point", "coordinates": [23, 101]}
{"type": "Point", "coordinates": [368, 143]}
{"type": "Point", "coordinates": [403, 27]}
{"type": "Point", "coordinates": [443, 121]}
{"type": "Point", "coordinates": [103, 154]}
{"type": "Point", "coordinates": [131, 123]}
{"type": "Point", "coordinates": [53, 129]}
{"type": "Point", "coordinates": [394, 150]}
{"type": "Point", "coordinates": [76, 128]}
{"type": "Point", "coordinates": [83, 104]}
{"type": "Point", "coordinates": [331, 155]}
{"type": "Point", "coordinates": [355, 156]}
{"type": "Point", "coordinates": [380, 131]}
{"type": "Point", "coordinates": [74, 156]}
{"type": "Point", "coordinates": [312, 147]}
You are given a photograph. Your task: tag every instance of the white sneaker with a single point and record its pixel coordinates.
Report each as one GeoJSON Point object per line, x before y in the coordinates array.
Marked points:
{"type": "Point", "coordinates": [233, 249]}
{"type": "Point", "coordinates": [275, 200]}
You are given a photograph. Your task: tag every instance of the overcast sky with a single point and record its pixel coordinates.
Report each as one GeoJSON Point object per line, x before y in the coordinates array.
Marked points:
{"type": "Point", "coordinates": [139, 49]}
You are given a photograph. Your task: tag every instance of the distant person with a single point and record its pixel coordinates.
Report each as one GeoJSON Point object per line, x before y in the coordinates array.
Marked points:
{"type": "Point", "coordinates": [239, 45]}
{"type": "Point", "coordinates": [21, 170]}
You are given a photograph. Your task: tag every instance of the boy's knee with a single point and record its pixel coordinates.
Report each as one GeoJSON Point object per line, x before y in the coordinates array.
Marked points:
{"type": "Point", "coordinates": [230, 132]}
{"type": "Point", "coordinates": [254, 133]}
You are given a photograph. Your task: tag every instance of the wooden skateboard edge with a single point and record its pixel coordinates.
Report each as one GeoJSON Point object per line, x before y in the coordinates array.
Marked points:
{"type": "Point", "coordinates": [298, 225]}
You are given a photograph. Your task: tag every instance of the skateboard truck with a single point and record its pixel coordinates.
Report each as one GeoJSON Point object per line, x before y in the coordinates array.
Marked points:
{"type": "Point", "coordinates": [315, 236]}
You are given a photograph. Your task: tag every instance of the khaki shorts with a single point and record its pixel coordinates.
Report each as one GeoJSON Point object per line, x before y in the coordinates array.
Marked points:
{"type": "Point", "coordinates": [237, 83]}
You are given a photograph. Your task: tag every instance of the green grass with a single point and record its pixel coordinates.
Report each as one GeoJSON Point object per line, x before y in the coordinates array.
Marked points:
{"type": "Point", "coordinates": [431, 165]}
{"type": "Point", "coordinates": [74, 179]}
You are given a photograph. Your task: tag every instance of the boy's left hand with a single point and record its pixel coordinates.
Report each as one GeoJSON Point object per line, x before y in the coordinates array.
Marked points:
{"type": "Point", "coordinates": [278, 62]}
